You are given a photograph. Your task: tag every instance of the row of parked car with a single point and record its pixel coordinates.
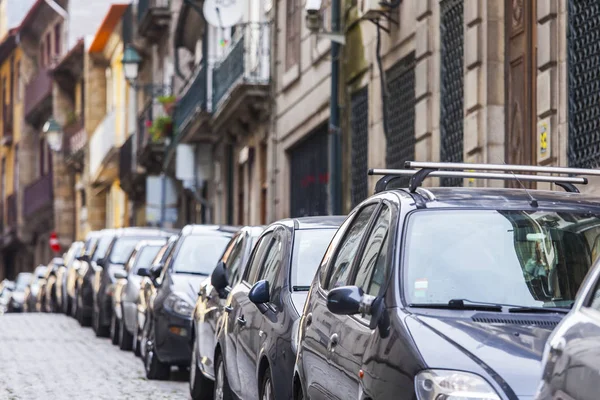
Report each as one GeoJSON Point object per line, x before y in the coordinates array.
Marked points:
{"type": "Point", "coordinates": [445, 293]}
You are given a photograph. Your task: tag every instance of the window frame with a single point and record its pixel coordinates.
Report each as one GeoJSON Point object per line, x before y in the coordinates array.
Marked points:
{"type": "Point", "coordinates": [255, 253]}
{"type": "Point", "coordinates": [277, 237]}
{"type": "Point", "coordinates": [293, 32]}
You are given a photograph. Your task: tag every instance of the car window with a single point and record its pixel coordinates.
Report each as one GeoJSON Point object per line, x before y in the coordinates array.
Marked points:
{"type": "Point", "coordinates": [166, 259]}
{"type": "Point", "coordinates": [308, 251]}
{"type": "Point", "coordinates": [373, 265]}
{"type": "Point", "coordinates": [349, 246]}
{"type": "Point", "coordinates": [102, 247]}
{"type": "Point", "coordinates": [145, 256]}
{"type": "Point", "coordinates": [254, 263]}
{"type": "Point", "coordinates": [122, 249]}
{"type": "Point", "coordinates": [272, 261]}
{"type": "Point", "coordinates": [234, 260]}
{"type": "Point", "coordinates": [199, 254]}
{"type": "Point", "coordinates": [525, 258]}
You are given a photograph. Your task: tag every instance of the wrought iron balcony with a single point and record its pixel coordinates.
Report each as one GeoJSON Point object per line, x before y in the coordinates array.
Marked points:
{"type": "Point", "coordinates": [37, 196]}
{"type": "Point", "coordinates": [247, 63]}
{"type": "Point", "coordinates": [151, 148]}
{"type": "Point", "coordinates": [154, 17]}
{"type": "Point", "coordinates": [193, 100]}
{"type": "Point", "coordinates": [38, 96]}
{"type": "Point", "coordinates": [75, 139]}
{"type": "Point", "coordinates": [11, 212]}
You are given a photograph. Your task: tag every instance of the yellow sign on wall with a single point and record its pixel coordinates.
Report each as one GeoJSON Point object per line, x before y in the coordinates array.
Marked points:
{"type": "Point", "coordinates": [543, 140]}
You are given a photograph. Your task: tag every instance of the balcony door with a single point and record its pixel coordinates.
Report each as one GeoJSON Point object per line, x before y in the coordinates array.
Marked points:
{"type": "Point", "coordinates": [520, 24]}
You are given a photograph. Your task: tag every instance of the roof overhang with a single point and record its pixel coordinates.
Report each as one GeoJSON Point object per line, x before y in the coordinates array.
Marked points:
{"type": "Point", "coordinates": [111, 20]}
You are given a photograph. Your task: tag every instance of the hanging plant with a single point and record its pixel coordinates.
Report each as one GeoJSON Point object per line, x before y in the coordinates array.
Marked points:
{"type": "Point", "coordinates": [168, 103]}
{"type": "Point", "coordinates": [161, 128]}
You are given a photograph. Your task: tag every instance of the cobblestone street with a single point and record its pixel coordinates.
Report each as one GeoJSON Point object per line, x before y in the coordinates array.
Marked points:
{"type": "Point", "coordinates": [51, 357]}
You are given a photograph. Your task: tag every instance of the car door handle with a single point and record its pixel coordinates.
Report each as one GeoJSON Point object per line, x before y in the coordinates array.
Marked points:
{"type": "Point", "coordinates": [241, 320]}
{"type": "Point", "coordinates": [308, 319]}
{"type": "Point", "coordinates": [228, 309]}
{"type": "Point", "coordinates": [333, 341]}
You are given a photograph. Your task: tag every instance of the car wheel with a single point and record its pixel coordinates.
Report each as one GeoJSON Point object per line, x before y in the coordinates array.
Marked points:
{"type": "Point", "coordinates": [125, 338]}
{"type": "Point", "coordinates": [101, 331]}
{"type": "Point", "coordinates": [222, 389]}
{"type": "Point", "coordinates": [154, 368]}
{"type": "Point", "coordinates": [267, 386]}
{"type": "Point", "coordinates": [201, 388]}
{"type": "Point", "coordinates": [114, 329]}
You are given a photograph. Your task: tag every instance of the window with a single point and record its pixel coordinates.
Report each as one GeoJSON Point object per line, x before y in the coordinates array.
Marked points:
{"type": "Point", "coordinates": [57, 37]}
{"type": "Point", "coordinates": [524, 258]}
{"type": "Point", "coordinates": [374, 264]}
{"type": "Point", "coordinates": [144, 257]}
{"type": "Point", "coordinates": [102, 247]}
{"type": "Point", "coordinates": [308, 251]}
{"type": "Point", "coordinates": [272, 261]}
{"type": "Point", "coordinates": [347, 251]}
{"type": "Point", "coordinates": [235, 259]}
{"type": "Point", "coordinates": [292, 33]}
{"type": "Point", "coordinates": [254, 263]}
{"type": "Point", "coordinates": [48, 49]}
{"type": "Point", "coordinates": [199, 254]}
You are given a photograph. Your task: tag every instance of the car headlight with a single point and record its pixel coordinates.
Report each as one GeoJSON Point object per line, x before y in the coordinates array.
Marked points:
{"type": "Point", "coordinates": [295, 335]}
{"type": "Point", "coordinates": [452, 385]}
{"type": "Point", "coordinates": [179, 305]}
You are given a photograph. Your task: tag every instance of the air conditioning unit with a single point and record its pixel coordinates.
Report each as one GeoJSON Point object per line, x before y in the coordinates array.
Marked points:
{"type": "Point", "coordinates": [371, 9]}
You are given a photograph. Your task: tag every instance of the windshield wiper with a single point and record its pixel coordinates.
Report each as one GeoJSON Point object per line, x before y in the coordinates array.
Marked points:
{"type": "Point", "coordinates": [460, 304]}
{"type": "Point", "coordinates": [191, 273]}
{"type": "Point", "coordinates": [534, 310]}
{"type": "Point", "coordinates": [301, 288]}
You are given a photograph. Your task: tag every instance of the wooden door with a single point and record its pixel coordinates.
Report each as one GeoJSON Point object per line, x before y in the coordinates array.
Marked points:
{"type": "Point", "coordinates": [520, 24]}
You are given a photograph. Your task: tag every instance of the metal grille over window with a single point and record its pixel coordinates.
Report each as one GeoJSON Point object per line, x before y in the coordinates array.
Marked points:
{"type": "Point", "coordinates": [359, 120]}
{"type": "Point", "coordinates": [452, 84]}
{"type": "Point", "coordinates": [583, 59]}
{"type": "Point", "coordinates": [401, 114]}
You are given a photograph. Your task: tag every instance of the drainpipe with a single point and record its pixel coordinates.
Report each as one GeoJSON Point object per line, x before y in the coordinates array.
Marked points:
{"type": "Point", "coordinates": [335, 164]}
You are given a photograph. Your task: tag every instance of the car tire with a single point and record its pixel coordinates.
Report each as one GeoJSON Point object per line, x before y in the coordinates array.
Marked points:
{"type": "Point", "coordinates": [222, 391]}
{"type": "Point", "coordinates": [201, 388]}
{"type": "Point", "coordinates": [155, 370]}
{"type": "Point", "coordinates": [101, 331]}
{"type": "Point", "coordinates": [125, 338]}
{"type": "Point", "coordinates": [114, 329]}
{"type": "Point", "coordinates": [266, 387]}
{"type": "Point", "coordinates": [137, 341]}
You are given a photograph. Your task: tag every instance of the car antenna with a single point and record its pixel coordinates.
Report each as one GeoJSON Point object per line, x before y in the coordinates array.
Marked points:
{"type": "Point", "coordinates": [533, 202]}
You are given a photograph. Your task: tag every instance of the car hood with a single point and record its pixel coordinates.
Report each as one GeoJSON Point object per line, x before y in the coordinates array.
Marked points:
{"type": "Point", "coordinates": [188, 284]}
{"type": "Point", "coordinates": [509, 349]}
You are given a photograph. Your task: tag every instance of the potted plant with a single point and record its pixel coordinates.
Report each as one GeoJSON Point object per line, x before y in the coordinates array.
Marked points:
{"type": "Point", "coordinates": [168, 103]}
{"type": "Point", "coordinates": [161, 128]}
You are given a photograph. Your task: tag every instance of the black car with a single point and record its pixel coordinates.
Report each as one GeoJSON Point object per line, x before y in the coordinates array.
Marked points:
{"type": "Point", "coordinates": [439, 293]}
{"type": "Point", "coordinates": [255, 354]}
{"type": "Point", "coordinates": [120, 248]}
{"type": "Point", "coordinates": [209, 311]}
{"type": "Point", "coordinates": [571, 359]}
{"type": "Point", "coordinates": [168, 321]}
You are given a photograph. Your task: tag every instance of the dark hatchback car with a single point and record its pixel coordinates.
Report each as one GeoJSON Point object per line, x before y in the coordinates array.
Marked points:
{"type": "Point", "coordinates": [571, 361]}
{"type": "Point", "coordinates": [255, 357]}
{"type": "Point", "coordinates": [209, 310]}
{"type": "Point", "coordinates": [444, 293]}
{"type": "Point", "coordinates": [117, 254]}
{"type": "Point", "coordinates": [168, 322]}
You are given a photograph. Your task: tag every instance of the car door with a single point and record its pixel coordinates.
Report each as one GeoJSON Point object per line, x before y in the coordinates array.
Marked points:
{"type": "Point", "coordinates": [321, 325]}
{"type": "Point", "coordinates": [129, 293]}
{"type": "Point", "coordinates": [573, 365]}
{"type": "Point", "coordinates": [236, 302]}
{"type": "Point", "coordinates": [250, 333]}
{"type": "Point", "coordinates": [356, 341]}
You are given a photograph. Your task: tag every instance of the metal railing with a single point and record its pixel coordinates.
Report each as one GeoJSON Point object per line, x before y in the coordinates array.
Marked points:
{"type": "Point", "coordinates": [37, 90]}
{"type": "Point", "coordinates": [103, 140]}
{"type": "Point", "coordinates": [11, 211]}
{"type": "Point", "coordinates": [247, 60]}
{"type": "Point", "coordinates": [74, 136]}
{"type": "Point", "coordinates": [145, 5]}
{"type": "Point", "coordinates": [37, 195]}
{"type": "Point", "coordinates": [192, 100]}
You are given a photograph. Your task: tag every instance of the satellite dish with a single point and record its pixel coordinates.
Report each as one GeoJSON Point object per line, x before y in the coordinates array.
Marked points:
{"type": "Point", "coordinates": [223, 13]}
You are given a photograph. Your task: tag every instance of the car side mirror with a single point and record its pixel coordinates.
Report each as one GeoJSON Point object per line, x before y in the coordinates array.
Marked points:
{"type": "Point", "coordinates": [259, 294]}
{"type": "Point", "coordinates": [348, 300]}
{"type": "Point", "coordinates": [101, 262]}
{"type": "Point", "coordinates": [218, 278]}
{"type": "Point", "coordinates": [155, 271]}
{"type": "Point", "coordinates": [143, 272]}
{"type": "Point", "coordinates": [121, 274]}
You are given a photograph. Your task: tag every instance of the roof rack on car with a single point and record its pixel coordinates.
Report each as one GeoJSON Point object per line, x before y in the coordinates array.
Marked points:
{"type": "Point", "coordinates": [467, 170]}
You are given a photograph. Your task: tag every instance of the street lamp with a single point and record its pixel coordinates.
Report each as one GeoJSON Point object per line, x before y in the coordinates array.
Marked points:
{"type": "Point", "coordinates": [131, 64]}
{"type": "Point", "coordinates": [53, 134]}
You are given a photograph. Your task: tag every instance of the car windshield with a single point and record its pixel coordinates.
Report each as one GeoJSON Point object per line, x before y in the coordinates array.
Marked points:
{"type": "Point", "coordinates": [522, 258]}
{"type": "Point", "coordinates": [199, 254]}
{"type": "Point", "coordinates": [145, 256]}
{"type": "Point", "coordinates": [102, 247]}
{"type": "Point", "coordinates": [309, 248]}
{"type": "Point", "coordinates": [122, 249]}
